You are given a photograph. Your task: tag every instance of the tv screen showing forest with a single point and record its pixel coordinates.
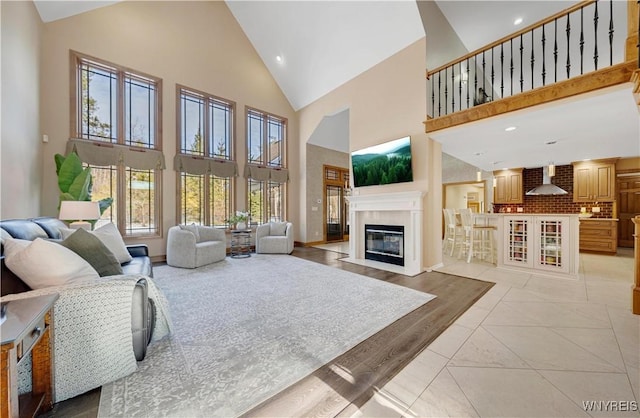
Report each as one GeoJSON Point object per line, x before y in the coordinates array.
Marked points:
{"type": "Point", "coordinates": [383, 164]}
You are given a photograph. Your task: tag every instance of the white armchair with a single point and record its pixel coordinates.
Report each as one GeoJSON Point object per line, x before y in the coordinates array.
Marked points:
{"type": "Point", "coordinates": [274, 238]}
{"type": "Point", "coordinates": [191, 246]}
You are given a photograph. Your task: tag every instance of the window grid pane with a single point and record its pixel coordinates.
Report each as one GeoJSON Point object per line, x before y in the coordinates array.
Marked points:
{"type": "Point", "coordinates": [220, 122]}
{"type": "Point", "coordinates": [97, 104]}
{"type": "Point", "coordinates": [275, 138]}
{"type": "Point", "coordinates": [139, 115]}
{"type": "Point", "coordinates": [255, 133]}
{"type": "Point", "coordinates": [105, 180]}
{"type": "Point", "coordinates": [192, 124]}
{"type": "Point", "coordinates": [275, 202]}
{"type": "Point", "coordinates": [192, 199]}
{"type": "Point", "coordinates": [256, 200]}
{"type": "Point", "coordinates": [140, 201]}
{"type": "Point", "coordinates": [220, 200]}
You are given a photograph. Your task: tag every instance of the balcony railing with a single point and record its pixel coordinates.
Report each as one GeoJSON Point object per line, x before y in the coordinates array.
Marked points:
{"type": "Point", "coordinates": [586, 37]}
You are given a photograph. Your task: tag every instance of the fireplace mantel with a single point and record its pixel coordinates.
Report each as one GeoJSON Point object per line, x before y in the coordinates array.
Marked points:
{"type": "Point", "coordinates": [399, 208]}
{"type": "Point", "coordinates": [403, 201]}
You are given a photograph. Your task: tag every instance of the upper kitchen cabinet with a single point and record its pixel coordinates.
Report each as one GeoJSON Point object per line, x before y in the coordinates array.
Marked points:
{"type": "Point", "coordinates": [508, 186]}
{"type": "Point", "coordinates": [594, 181]}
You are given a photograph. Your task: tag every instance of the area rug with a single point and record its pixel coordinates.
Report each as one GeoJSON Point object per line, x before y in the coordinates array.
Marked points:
{"type": "Point", "coordinates": [245, 329]}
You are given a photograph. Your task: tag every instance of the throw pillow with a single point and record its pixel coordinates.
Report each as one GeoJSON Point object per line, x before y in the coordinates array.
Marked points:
{"type": "Point", "coordinates": [44, 264]}
{"type": "Point", "coordinates": [13, 246]}
{"type": "Point", "coordinates": [278, 228]}
{"type": "Point", "coordinates": [193, 228]}
{"type": "Point", "coordinates": [110, 237]}
{"type": "Point", "coordinates": [92, 250]}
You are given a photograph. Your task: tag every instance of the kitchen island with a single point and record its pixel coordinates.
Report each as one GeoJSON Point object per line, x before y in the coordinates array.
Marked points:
{"type": "Point", "coordinates": [542, 244]}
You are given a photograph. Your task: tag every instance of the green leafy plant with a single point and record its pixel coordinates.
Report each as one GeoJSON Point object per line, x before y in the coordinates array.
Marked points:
{"type": "Point", "coordinates": [238, 217]}
{"type": "Point", "coordinates": [75, 181]}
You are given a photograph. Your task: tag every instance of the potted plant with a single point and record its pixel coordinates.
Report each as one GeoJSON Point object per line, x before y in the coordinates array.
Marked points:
{"type": "Point", "coordinates": [239, 219]}
{"type": "Point", "coordinates": [75, 181]}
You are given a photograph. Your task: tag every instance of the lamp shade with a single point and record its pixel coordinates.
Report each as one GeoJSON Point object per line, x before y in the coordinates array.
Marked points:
{"type": "Point", "coordinates": [79, 210]}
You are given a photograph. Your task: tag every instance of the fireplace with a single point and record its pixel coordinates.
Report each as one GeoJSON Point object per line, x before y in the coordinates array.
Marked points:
{"type": "Point", "coordinates": [384, 243]}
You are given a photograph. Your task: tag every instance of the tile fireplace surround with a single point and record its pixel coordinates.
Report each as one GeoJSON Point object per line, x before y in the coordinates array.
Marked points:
{"type": "Point", "coordinates": [402, 208]}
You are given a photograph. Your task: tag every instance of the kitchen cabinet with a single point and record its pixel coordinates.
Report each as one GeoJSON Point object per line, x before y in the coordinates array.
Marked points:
{"type": "Point", "coordinates": [509, 189]}
{"type": "Point", "coordinates": [599, 235]}
{"type": "Point", "coordinates": [541, 244]}
{"type": "Point", "coordinates": [594, 181]}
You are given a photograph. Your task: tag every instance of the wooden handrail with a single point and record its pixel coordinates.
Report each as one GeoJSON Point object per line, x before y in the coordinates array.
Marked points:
{"type": "Point", "coordinates": [507, 38]}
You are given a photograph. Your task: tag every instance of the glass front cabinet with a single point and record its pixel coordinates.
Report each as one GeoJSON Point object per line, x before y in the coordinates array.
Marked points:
{"type": "Point", "coordinates": [547, 243]}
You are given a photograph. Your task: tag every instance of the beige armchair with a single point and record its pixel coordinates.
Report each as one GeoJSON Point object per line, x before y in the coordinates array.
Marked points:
{"type": "Point", "coordinates": [274, 238]}
{"type": "Point", "coordinates": [191, 246]}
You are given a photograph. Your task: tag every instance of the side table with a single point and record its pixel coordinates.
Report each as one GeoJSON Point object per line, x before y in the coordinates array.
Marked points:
{"type": "Point", "coordinates": [27, 329]}
{"type": "Point", "coordinates": [240, 243]}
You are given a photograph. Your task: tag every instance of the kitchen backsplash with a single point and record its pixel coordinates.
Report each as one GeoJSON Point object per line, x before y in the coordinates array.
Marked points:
{"type": "Point", "coordinates": [554, 204]}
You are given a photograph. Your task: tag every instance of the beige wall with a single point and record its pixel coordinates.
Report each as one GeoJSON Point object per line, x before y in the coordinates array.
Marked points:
{"type": "Point", "coordinates": [197, 44]}
{"type": "Point", "coordinates": [20, 146]}
{"type": "Point", "coordinates": [387, 102]}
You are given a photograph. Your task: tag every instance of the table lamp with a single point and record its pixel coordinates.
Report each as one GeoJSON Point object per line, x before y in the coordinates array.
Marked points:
{"type": "Point", "coordinates": [80, 212]}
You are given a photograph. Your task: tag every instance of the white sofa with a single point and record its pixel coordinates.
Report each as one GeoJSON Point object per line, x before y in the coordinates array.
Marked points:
{"type": "Point", "coordinates": [191, 246]}
{"type": "Point", "coordinates": [274, 238]}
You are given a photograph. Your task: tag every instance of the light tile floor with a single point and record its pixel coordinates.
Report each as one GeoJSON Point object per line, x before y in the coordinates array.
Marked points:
{"type": "Point", "coordinates": [531, 347]}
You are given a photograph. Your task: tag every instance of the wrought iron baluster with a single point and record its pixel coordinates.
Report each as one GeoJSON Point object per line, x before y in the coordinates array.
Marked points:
{"type": "Point", "coordinates": [467, 83]}
{"type": "Point", "coordinates": [433, 98]}
{"type": "Point", "coordinates": [521, 65]}
{"type": "Point", "coordinates": [544, 67]}
{"type": "Point", "coordinates": [484, 73]}
{"type": "Point", "coordinates": [568, 30]}
{"type": "Point", "coordinates": [460, 86]}
{"type": "Point", "coordinates": [439, 92]}
{"type": "Point", "coordinates": [493, 73]}
{"type": "Point", "coordinates": [475, 76]}
{"type": "Point", "coordinates": [501, 70]}
{"type": "Point", "coordinates": [453, 88]}
{"type": "Point", "coordinates": [511, 68]}
{"type": "Point", "coordinates": [610, 32]}
{"type": "Point", "coordinates": [581, 40]}
{"type": "Point", "coordinates": [446, 91]}
{"type": "Point", "coordinates": [533, 60]}
{"type": "Point", "coordinates": [595, 36]}
{"type": "Point", "coordinates": [555, 50]}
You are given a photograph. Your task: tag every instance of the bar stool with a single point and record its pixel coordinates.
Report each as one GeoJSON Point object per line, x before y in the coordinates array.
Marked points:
{"type": "Point", "coordinates": [483, 237]}
{"type": "Point", "coordinates": [451, 231]}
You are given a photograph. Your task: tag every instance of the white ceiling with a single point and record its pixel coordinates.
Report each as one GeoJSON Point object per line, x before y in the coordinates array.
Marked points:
{"type": "Point", "coordinates": [325, 43]}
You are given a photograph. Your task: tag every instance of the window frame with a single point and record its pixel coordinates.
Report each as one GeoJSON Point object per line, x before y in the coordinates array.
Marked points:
{"type": "Point", "coordinates": [208, 98]}
{"type": "Point", "coordinates": [266, 185]}
{"type": "Point", "coordinates": [77, 59]}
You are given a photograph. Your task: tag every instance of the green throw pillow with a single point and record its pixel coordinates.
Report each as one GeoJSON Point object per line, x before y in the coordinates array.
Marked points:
{"type": "Point", "coordinates": [94, 252]}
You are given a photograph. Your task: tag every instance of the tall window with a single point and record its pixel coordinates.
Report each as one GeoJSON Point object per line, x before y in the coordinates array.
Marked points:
{"type": "Point", "coordinates": [206, 133]}
{"type": "Point", "coordinates": [114, 105]}
{"type": "Point", "coordinates": [266, 145]}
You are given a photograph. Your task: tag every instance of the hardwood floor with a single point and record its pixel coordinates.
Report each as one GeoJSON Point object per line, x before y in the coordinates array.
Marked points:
{"type": "Point", "coordinates": [339, 388]}
{"type": "Point", "coordinates": [342, 386]}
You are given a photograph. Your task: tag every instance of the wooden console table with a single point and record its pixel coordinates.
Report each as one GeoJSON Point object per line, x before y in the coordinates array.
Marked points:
{"type": "Point", "coordinates": [27, 329]}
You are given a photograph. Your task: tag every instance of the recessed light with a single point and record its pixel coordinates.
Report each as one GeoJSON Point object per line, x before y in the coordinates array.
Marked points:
{"type": "Point", "coordinates": [517, 21]}
{"type": "Point", "coordinates": [278, 58]}
{"type": "Point", "coordinates": [477, 154]}
{"type": "Point", "coordinates": [510, 128]}
{"type": "Point", "coordinates": [550, 142]}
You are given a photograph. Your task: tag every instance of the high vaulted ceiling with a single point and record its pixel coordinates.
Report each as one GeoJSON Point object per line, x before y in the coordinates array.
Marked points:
{"type": "Point", "coordinates": [323, 44]}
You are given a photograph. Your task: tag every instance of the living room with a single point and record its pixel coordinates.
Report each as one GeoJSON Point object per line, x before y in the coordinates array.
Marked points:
{"type": "Point", "coordinates": [200, 45]}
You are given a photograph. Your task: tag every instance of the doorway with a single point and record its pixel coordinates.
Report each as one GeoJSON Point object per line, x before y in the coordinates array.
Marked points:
{"type": "Point", "coordinates": [628, 186]}
{"type": "Point", "coordinates": [336, 209]}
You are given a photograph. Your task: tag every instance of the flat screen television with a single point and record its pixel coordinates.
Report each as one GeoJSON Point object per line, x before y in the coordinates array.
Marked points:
{"type": "Point", "coordinates": [386, 163]}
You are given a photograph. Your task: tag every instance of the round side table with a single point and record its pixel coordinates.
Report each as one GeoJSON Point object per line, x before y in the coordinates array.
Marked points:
{"type": "Point", "coordinates": [240, 243]}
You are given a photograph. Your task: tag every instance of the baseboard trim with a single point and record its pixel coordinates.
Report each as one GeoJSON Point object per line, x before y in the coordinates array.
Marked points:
{"type": "Point", "coordinates": [434, 267]}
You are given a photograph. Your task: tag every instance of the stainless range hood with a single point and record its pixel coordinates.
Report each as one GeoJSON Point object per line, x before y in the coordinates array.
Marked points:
{"type": "Point", "coordinates": [546, 188]}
